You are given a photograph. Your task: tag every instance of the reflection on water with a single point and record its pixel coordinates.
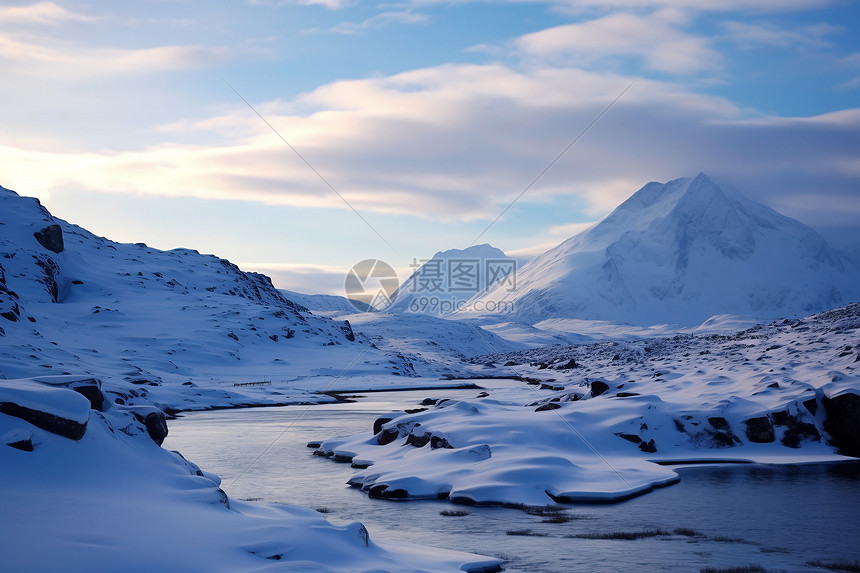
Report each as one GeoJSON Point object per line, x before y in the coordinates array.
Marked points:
{"type": "Point", "coordinates": [778, 517]}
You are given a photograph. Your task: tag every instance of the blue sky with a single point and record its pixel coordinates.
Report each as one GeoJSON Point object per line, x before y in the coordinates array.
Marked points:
{"type": "Point", "coordinates": [427, 117]}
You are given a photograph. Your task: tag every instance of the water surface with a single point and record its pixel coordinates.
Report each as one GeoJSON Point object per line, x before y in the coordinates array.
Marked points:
{"type": "Point", "coordinates": [779, 517]}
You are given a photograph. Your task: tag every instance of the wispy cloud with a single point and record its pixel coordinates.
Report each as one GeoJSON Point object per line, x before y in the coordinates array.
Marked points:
{"type": "Point", "coordinates": [751, 35]}
{"type": "Point", "coordinates": [41, 13]}
{"type": "Point", "coordinates": [656, 39]}
{"type": "Point", "coordinates": [79, 61]}
{"type": "Point", "coordinates": [455, 143]}
{"type": "Point", "coordinates": [578, 6]}
{"type": "Point", "coordinates": [313, 279]}
{"type": "Point", "coordinates": [330, 4]}
{"type": "Point", "coordinates": [376, 22]}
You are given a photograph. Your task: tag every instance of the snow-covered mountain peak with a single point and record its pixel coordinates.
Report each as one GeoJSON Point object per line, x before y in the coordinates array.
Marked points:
{"type": "Point", "coordinates": [681, 252]}
{"type": "Point", "coordinates": [441, 284]}
{"type": "Point", "coordinates": [482, 251]}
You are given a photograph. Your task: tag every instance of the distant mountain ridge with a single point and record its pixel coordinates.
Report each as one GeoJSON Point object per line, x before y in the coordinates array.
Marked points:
{"type": "Point", "coordinates": [679, 253]}
{"type": "Point", "coordinates": [439, 285]}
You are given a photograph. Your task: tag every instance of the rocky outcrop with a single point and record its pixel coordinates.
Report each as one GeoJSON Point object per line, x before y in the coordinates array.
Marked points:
{"type": "Point", "coordinates": [51, 237]}
{"type": "Point", "coordinates": [9, 308]}
{"type": "Point", "coordinates": [759, 430]}
{"type": "Point", "coordinates": [153, 419]}
{"type": "Point", "coordinates": [598, 387]}
{"type": "Point", "coordinates": [843, 422]}
{"type": "Point", "coordinates": [347, 331]}
{"type": "Point", "coordinates": [72, 429]}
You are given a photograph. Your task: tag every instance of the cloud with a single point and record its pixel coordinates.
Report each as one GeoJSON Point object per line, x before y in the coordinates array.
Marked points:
{"type": "Point", "coordinates": [40, 13]}
{"type": "Point", "coordinates": [301, 278]}
{"type": "Point", "coordinates": [656, 39]}
{"type": "Point", "coordinates": [549, 239]}
{"type": "Point", "coordinates": [330, 4]}
{"type": "Point", "coordinates": [750, 35]}
{"type": "Point", "coordinates": [377, 22]}
{"type": "Point", "coordinates": [457, 143]}
{"type": "Point", "coordinates": [578, 6]}
{"type": "Point", "coordinates": [78, 62]}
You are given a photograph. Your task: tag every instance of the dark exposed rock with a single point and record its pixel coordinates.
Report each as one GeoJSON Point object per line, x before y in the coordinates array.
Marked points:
{"type": "Point", "coordinates": [723, 439]}
{"type": "Point", "coordinates": [799, 431]}
{"type": "Point", "coordinates": [759, 430]}
{"type": "Point", "coordinates": [568, 365]}
{"type": "Point", "coordinates": [49, 422]}
{"type": "Point", "coordinates": [843, 422]}
{"type": "Point", "coordinates": [598, 387]}
{"type": "Point", "coordinates": [811, 405]}
{"type": "Point", "coordinates": [547, 406]}
{"type": "Point", "coordinates": [419, 441]}
{"type": "Point", "coordinates": [387, 436]}
{"type": "Point", "coordinates": [382, 491]}
{"type": "Point", "coordinates": [154, 420]}
{"type": "Point", "coordinates": [51, 237]}
{"type": "Point", "coordinates": [719, 423]}
{"type": "Point", "coordinates": [91, 390]}
{"type": "Point", "coordinates": [23, 445]}
{"type": "Point", "coordinates": [440, 442]}
{"type": "Point", "coordinates": [50, 276]}
{"type": "Point", "coordinates": [347, 331]}
{"type": "Point", "coordinates": [379, 422]}
{"type": "Point", "coordinates": [648, 447]}
{"type": "Point", "coordinates": [630, 437]}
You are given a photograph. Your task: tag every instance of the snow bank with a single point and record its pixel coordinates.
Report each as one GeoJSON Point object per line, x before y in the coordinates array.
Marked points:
{"type": "Point", "coordinates": [602, 422]}
{"type": "Point", "coordinates": [115, 501]}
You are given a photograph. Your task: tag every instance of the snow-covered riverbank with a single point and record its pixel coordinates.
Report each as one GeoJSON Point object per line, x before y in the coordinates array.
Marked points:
{"type": "Point", "coordinates": [86, 488]}
{"type": "Point", "coordinates": [611, 414]}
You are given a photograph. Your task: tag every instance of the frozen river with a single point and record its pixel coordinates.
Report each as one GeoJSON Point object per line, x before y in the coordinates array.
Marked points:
{"type": "Point", "coordinates": [780, 518]}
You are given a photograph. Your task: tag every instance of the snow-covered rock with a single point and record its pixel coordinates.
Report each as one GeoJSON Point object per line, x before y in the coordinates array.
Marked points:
{"type": "Point", "coordinates": [599, 421]}
{"type": "Point", "coordinates": [680, 253]}
{"type": "Point", "coordinates": [115, 501]}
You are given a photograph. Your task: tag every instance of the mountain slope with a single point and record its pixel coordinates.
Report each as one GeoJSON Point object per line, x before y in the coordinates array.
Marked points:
{"type": "Point", "coordinates": [175, 328]}
{"type": "Point", "coordinates": [681, 252]}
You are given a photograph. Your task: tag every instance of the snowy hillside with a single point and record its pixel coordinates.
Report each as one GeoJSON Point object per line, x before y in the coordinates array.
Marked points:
{"type": "Point", "coordinates": [679, 253]}
{"type": "Point", "coordinates": [428, 341]}
{"type": "Point", "coordinates": [86, 488]}
{"type": "Point", "coordinates": [326, 304]}
{"type": "Point", "coordinates": [442, 284]}
{"type": "Point", "coordinates": [172, 328]}
{"type": "Point", "coordinates": [606, 421]}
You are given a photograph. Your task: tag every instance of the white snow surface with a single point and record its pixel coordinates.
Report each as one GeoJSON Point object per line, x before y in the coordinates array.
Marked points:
{"type": "Point", "coordinates": [326, 304]}
{"type": "Point", "coordinates": [178, 330]}
{"type": "Point", "coordinates": [175, 329]}
{"type": "Point", "coordinates": [680, 253]}
{"type": "Point", "coordinates": [115, 501]}
{"type": "Point", "coordinates": [679, 399]}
